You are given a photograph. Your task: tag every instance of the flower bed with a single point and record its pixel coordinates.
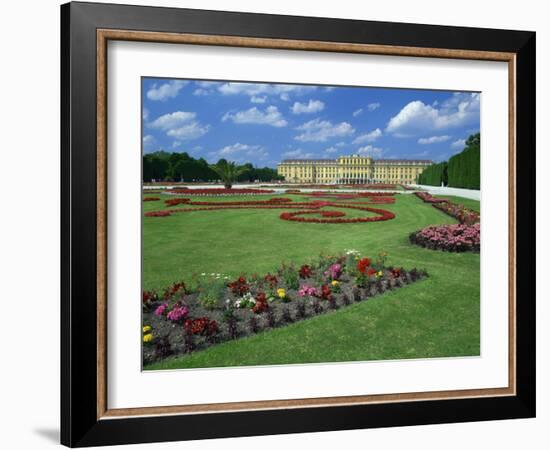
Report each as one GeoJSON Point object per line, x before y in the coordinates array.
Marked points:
{"type": "Point", "coordinates": [313, 207]}
{"type": "Point", "coordinates": [296, 216]}
{"type": "Point", "coordinates": [151, 199]}
{"type": "Point", "coordinates": [220, 191]}
{"type": "Point", "coordinates": [451, 238]}
{"type": "Point", "coordinates": [427, 198]}
{"type": "Point", "coordinates": [157, 214]}
{"type": "Point", "coordinates": [463, 215]}
{"type": "Point", "coordinates": [459, 212]}
{"type": "Point", "coordinates": [215, 308]}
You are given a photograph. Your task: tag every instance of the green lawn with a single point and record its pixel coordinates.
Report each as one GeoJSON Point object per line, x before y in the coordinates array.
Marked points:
{"type": "Point", "coordinates": [436, 317]}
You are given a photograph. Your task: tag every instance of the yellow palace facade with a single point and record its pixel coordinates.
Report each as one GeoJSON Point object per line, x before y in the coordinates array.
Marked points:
{"type": "Point", "coordinates": [352, 169]}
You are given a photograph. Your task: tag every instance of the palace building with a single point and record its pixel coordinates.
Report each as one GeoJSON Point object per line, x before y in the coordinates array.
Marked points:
{"type": "Point", "coordinates": [352, 169]}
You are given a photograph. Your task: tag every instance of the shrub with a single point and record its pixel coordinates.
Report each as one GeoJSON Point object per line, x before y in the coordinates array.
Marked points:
{"type": "Point", "coordinates": [452, 238]}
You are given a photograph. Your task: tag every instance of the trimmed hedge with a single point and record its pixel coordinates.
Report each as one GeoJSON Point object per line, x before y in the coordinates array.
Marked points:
{"type": "Point", "coordinates": [434, 175]}
{"type": "Point", "coordinates": [464, 168]}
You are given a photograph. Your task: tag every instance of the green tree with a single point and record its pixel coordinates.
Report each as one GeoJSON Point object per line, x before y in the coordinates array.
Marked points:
{"type": "Point", "coordinates": [227, 171]}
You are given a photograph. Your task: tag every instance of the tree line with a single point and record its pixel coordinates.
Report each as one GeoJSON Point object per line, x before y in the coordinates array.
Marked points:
{"type": "Point", "coordinates": [461, 171]}
{"type": "Point", "coordinates": [166, 166]}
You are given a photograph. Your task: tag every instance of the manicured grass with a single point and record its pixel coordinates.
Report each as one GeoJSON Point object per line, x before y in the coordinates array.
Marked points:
{"type": "Point", "coordinates": [436, 317]}
{"type": "Point", "coordinates": [468, 203]}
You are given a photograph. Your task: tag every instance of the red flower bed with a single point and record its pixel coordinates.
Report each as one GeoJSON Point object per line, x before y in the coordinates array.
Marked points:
{"type": "Point", "coordinates": [176, 201]}
{"type": "Point", "coordinates": [157, 213]}
{"type": "Point", "coordinates": [150, 199]}
{"type": "Point", "coordinates": [372, 186]}
{"type": "Point", "coordinates": [459, 212]}
{"type": "Point", "coordinates": [427, 198]}
{"type": "Point", "coordinates": [220, 191]}
{"type": "Point", "coordinates": [451, 238]}
{"type": "Point", "coordinates": [382, 215]}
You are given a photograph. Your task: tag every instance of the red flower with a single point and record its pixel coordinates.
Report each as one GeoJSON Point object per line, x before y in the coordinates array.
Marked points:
{"type": "Point", "coordinates": [325, 292]}
{"type": "Point", "coordinates": [363, 264]}
{"type": "Point", "coordinates": [261, 303]}
{"type": "Point", "coordinates": [396, 273]}
{"type": "Point", "coordinates": [239, 286]}
{"type": "Point", "coordinates": [271, 279]}
{"type": "Point", "coordinates": [371, 272]}
{"type": "Point", "coordinates": [201, 325]}
{"type": "Point", "coordinates": [305, 271]}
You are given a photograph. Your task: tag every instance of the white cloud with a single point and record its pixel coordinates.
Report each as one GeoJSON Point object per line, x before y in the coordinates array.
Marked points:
{"type": "Point", "coordinates": [368, 137]}
{"type": "Point", "coordinates": [312, 106]}
{"type": "Point", "coordinates": [258, 99]}
{"type": "Point", "coordinates": [205, 87]}
{"type": "Point", "coordinates": [285, 97]}
{"type": "Point", "coordinates": [181, 125]}
{"type": "Point", "coordinates": [145, 114]}
{"type": "Point", "coordinates": [298, 154]}
{"type": "Point", "coordinates": [461, 109]}
{"type": "Point", "coordinates": [357, 112]}
{"type": "Point", "coordinates": [459, 144]}
{"type": "Point", "coordinates": [340, 144]}
{"type": "Point", "coordinates": [373, 106]}
{"type": "Point", "coordinates": [317, 130]}
{"type": "Point", "coordinates": [165, 90]}
{"type": "Point", "coordinates": [172, 120]}
{"type": "Point", "coordinates": [369, 150]}
{"type": "Point", "coordinates": [189, 131]}
{"type": "Point", "coordinates": [271, 116]}
{"type": "Point", "coordinates": [433, 139]}
{"type": "Point", "coordinates": [255, 89]}
{"type": "Point", "coordinates": [240, 153]}
{"type": "Point", "coordinates": [148, 142]}
{"type": "Point", "coordinates": [331, 150]}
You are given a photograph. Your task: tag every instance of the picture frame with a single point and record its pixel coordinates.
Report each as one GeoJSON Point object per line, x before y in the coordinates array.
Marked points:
{"type": "Point", "coordinates": [86, 418]}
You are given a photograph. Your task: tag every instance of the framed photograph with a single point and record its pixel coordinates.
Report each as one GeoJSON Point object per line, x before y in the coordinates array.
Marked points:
{"type": "Point", "coordinates": [273, 224]}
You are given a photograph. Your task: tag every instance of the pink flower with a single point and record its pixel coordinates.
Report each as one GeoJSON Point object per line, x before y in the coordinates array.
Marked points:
{"type": "Point", "coordinates": [334, 271]}
{"type": "Point", "coordinates": [178, 313]}
{"type": "Point", "coordinates": [307, 290]}
{"type": "Point", "coordinates": [161, 309]}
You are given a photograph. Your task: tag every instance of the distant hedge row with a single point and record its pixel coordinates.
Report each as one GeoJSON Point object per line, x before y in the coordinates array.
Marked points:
{"type": "Point", "coordinates": [462, 170]}
{"type": "Point", "coordinates": [434, 175]}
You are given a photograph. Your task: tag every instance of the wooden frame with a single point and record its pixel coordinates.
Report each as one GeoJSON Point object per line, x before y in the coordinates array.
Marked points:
{"type": "Point", "coordinates": [86, 418]}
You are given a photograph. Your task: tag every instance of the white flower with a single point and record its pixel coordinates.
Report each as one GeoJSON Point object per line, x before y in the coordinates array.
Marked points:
{"type": "Point", "coordinates": [203, 274]}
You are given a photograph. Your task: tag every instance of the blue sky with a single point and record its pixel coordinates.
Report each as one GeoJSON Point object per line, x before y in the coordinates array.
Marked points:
{"type": "Point", "coordinates": [266, 123]}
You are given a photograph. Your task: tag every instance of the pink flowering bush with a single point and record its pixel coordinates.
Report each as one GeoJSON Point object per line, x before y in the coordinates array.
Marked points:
{"type": "Point", "coordinates": [178, 313]}
{"type": "Point", "coordinates": [334, 271]}
{"type": "Point", "coordinates": [451, 238]}
{"type": "Point", "coordinates": [306, 290]}
{"type": "Point", "coordinates": [161, 309]}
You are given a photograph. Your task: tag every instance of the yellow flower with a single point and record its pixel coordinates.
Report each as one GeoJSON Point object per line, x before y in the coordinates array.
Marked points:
{"type": "Point", "coordinates": [379, 274]}
{"type": "Point", "coordinates": [335, 283]}
{"type": "Point", "coordinates": [148, 338]}
{"type": "Point", "coordinates": [281, 293]}
{"type": "Point", "coordinates": [146, 328]}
